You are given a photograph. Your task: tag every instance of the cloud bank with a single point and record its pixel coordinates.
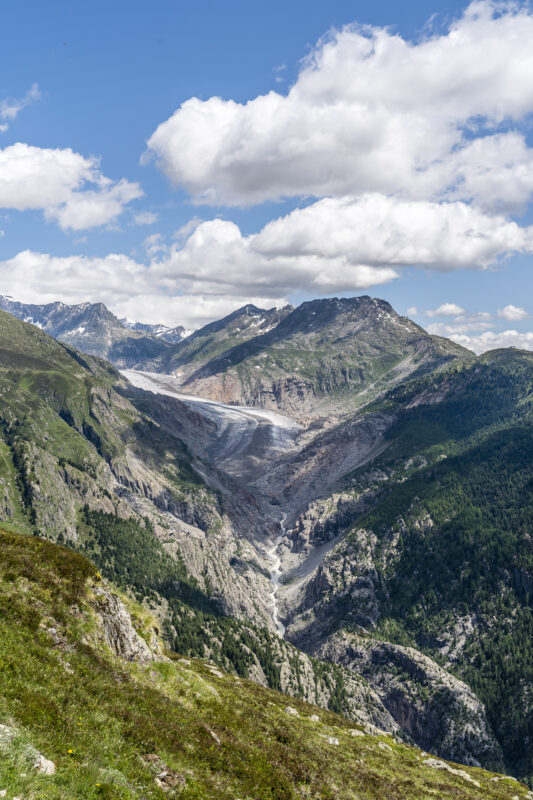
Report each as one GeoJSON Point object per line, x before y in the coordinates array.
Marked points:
{"type": "Point", "coordinates": [332, 246]}
{"type": "Point", "coordinates": [492, 340]}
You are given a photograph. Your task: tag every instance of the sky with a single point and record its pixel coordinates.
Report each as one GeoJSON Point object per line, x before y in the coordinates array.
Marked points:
{"type": "Point", "coordinates": [178, 160]}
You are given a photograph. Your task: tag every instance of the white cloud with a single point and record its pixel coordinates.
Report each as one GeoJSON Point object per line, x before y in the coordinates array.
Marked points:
{"type": "Point", "coordinates": [69, 188]}
{"type": "Point", "coordinates": [334, 245]}
{"type": "Point", "coordinates": [462, 323]}
{"type": "Point", "coordinates": [412, 311]}
{"type": "Point", "coordinates": [145, 218]}
{"type": "Point", "coordinates": [218, 259]}
{"type": "Point", "coordinates": [129, 288]}
{"type": "Point", "coordinates": [378, 232]}
{"type": "Point", "coordinates": [154, 244]}
{"type": "Point", "coordinates": [372, 112]}
{"type": "Point", "coordinates": [10, 109]}
{"type": "Point", "coordinates": [492, 340]}
{"type": "Point", "coordinates": [445, 310]}
{"type": "Point", "coordinates": [459, 327]}
{"type": "Point", "coordinates": [512, 313]}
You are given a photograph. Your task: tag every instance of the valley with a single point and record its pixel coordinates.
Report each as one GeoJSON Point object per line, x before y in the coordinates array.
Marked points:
{"type": "Point", "coordinates": [332, 556]}
{"type": "Point", "coordinates": [245, 436]}
{"type": "Point", "coordinates": [266, 401]}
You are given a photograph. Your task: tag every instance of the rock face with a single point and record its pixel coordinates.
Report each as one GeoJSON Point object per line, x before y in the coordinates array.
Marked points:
{"type": "Point", "coordinates": [436, 710]}
{"type": "Point", "coordinates": [343, 590]}
{"type": "Point", "coordinates": [118, 628]}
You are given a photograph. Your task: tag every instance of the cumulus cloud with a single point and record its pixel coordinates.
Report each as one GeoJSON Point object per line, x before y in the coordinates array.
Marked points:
{"type": "Point", "coordinates": [10, 109]}
{"type": "Point", "coordinates": [492, 340]}
{"type": "Point", "coordinates": [216, 258]}
{"type": "Point", "coordinates": [69, 188]}
{"type": "Point", "coordinates": [445, 310]}
{"type": "Point", "coordinates": [512, 313]}
{"type": "Point", "coordinates": [412, 311]}
{"type": "Point", "coordinates": [334, 245]}
{"type": "Point", "coordinates": [463, 322]}
{"type": "Point", "coordinates": [344, 244]}
{"type": "Point", "coordinates": [476, 330]}
{"type": "Point", "coordinates": [429, 119]}
{"type": "Point", "coordinates": [131, 289]}
{"type": "Point", "coordinates": [383, 231]}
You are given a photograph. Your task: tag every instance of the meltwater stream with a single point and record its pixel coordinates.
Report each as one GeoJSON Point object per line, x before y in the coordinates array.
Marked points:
{"type": "Point", "coordinates": [275, 577]}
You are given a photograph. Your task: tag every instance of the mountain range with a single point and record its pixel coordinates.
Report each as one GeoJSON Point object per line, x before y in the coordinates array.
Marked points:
{"type": "Point", "coordinates": [311, 361]}
{"type": "Point", "coordinates": [315, 360]}
{"type": "Point", "coordinates": [93, 329]}
{"type": "Point", "coordinates": [326, 500]}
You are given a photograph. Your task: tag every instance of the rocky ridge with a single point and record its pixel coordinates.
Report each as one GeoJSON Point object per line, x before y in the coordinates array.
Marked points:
{"type": "Point", "coordinates": [317, 360]}
{"type": "Point", "coordinates": [93, 329]}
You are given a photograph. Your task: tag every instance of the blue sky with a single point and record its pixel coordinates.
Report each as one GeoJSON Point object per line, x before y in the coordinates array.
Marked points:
{"type": "Point", "coordinates": [269, 197]}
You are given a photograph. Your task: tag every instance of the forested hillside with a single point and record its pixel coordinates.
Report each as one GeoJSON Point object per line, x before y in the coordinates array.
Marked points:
{"type": "Point", "coordinates": [445, 542]}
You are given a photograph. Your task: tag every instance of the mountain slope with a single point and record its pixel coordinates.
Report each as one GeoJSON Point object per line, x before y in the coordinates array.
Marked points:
{"type": "Point", "coordinates": [78, 720]}
{"type": "Point", "coordinates": [218, 337]}
{"type": "Point", "coordinates": [72, 437]}
{"type": "Point", "coordinates": [89, 460]}
{"type": "Point", "coordinates": [93, 329]}
{"type": "Point", "coordinates": [324, 357]}
{"type": "Point", "coordinates": [427, 545]}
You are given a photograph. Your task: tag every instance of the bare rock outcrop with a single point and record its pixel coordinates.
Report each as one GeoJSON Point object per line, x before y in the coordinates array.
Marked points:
{"type": "Point", "coordinates": [118, 627]}
{"type": "Point", "coordinates": [434, 708]}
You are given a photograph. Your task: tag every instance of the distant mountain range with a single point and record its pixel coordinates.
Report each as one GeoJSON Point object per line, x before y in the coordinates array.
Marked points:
{"type": "Point", "coordinates": [93, 329]}
{"type": "Point", "coordinates": [172, 335]}
{"type": "Point", "coordinates": [320, 359]}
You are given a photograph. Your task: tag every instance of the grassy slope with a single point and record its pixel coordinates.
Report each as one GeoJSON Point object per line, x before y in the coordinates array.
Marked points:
{"type": "Point", "coordinates": [95, 716]}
